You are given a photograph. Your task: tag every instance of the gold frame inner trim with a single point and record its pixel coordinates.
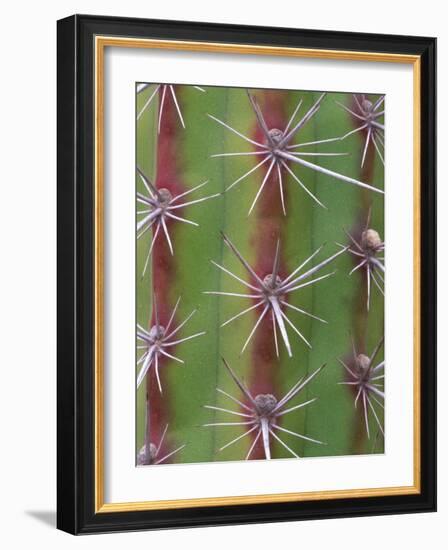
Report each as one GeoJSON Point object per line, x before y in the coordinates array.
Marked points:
{"type": "Point", "coordinates": [101, 42]}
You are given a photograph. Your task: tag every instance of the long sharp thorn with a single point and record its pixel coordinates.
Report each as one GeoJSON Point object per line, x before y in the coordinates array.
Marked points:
{"type": "Point", "coordinates": [162, 103]}
{"type": "Point", "coordinates": [328, 172]}
{"type": "Point", "coordinates": [161, 440]}
{"type": "Point", "coordinates": [313, 270]}
{"type": "Point", "coordinates": [257, 437]}
{"type": "Point", "coordinates": [146, 366]}
{"type": "Point", "coordinates": [303, 312]}
{"type": "Point", "coordinates": [213, 424]}
{"type": "Point", "coordinates": [252, 332]}
{"type": "Point", "coordinates": [265, 179]}
{"type": "Point", "coordinates": [173, 313]}
{"type": "Point", "coordinates": [286, 411]}
{"type": "Point", "coordinates": [318, 142]}
{"type": "Point", "coordinates": [359, 129]}
{"type": "Point", "coordinates": [247, 154]}
{"type": "Point", "coordinates": [242, 387]}
{"type": "Point", "coordinates": [169, 344]}
{"type": "Point", "coordinates": [293, 116]}
{"type": "Point", "coordinates": [364, 404]}
{"type": "Point", "coordinates": [378, 102]}
{"type": "Point", "coordinates": [237, 438]}
{"type": "Point", "coordinates": [303, 285]}
{"type": "Point", "coordinates": [234, 399]}
{"type": "Point", "coordinates": [180, 219]}
{"type": "Point", "coordinates": [377, 148]}
{"type": "Point", "coordinates": [276, 264]}
{"type": "Point", "coordinates": [246, 264]}
{"type": "Point", "coordinates": [143, 109]}
{"type": "Point", "coordinates": [379, 366]}
{"type": "Point", "coordinates": [377, 125]}
{"type": "Point", "coordinates": [274, 329]}
{"type": "Point", "coordinates": [375, 390]}
{"type": "Point", "coordinates": [377, 263]}
{"type": "Point", "coordinates": [173, 93]}
{"type": "Point", "coordinates": [360, 117]}
{"type": "Point", "coordinates": [189, 203]}
{"type": "Point", "coordinates": [280, 184]}
{"type": "Point", "coordinates": [314, 154]}
{"type": "Point", "coordinates": [347, 368]}
{"type": "Point", "coordinates": [377, 401]}
{"type": "Point", "coordinates": [147, 221]}
{"type": "Point", "coordinates": [281, 325]}
{"type": "Point", "coordinates": [213, 408]}
{"type": "Point", "coordinates": [304, 263]}
{"type": "Point", "coordinates": [268, 156]}
{"type": "Point", "coordinates": [237, 295]}
{"type": "Point", "coordinates": [166, 457]}
{"type": "Point", "coordinates": [177, 197]}
{"type": "Point", "coordinates": [296, 330]}
{"type": "Point", "coordinates": [302, 185]}
{"type": "Point", "coordinates": [358, 266]}
{"type": "Point", "coordinates": [147, 183]}
{"type": "Point", "coordinates": [372, 274]}
{"type": "Point", "coordinates": [166, 354]}
{"type": "Point", "coordinates": [156, 366]}
{"type": "Point", "coordinates": [369, 217]}
{"type": "Point", "coordinates": [368, 287]}
{"type": "Point", "coordinates": [364, 153]}
{"type": "Point", "coordinates": [310, 113]}
{"type": "Point", "coordinates": [167, 235]}
{"type": "Point", "coordinates": [156, 233]}
{"type": "Point", "coordinates": [357, 396]}
{"type": "Point", "coordinates": [300, 436]}
{"type": "Point", "coordinates": [264, 424]}
{"type": "Point", "coordinates": [285, 398]}
{"type": "Point", "coordinates": [259, 115]}
{"type": "Point", "coordinates": [241, 314]}
{"type": "Point", "coordinates": [361, 110]}
{"type": "Point", "coordinates": [184, 322]}
{"type": "Point", "coordinates": [235, 131]}
{"type": "Point", "coordinates": [375, 351]}
{"type": "Point", "coordinates": [283, 444]}
{"type": "Point", "coordinates": [242, 281]}
{"type": "Point", "coordinates": [295, 390]}
{"type": "Point", "coordinates": [354, 241]}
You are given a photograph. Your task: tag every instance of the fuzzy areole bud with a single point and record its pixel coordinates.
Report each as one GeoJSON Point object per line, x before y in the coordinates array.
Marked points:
{"type": "Point", "coordinates": [146, 456]}
{"type": "Point", "coordinates": [363, 362]}
{"type": "Point", "coordinates": [142, 459]}
{"type": "Point", "coordinates": [269, 281]}
{"type": "Point", "coordinates": [265, 403]}
{"type": "Point", "coordinates": [157, 332]}
{"type": "Point", "coordinates": [165, 196]}
{"type": "Point", "coordinates": [367, 105]}
{"type": "Point", "coordinates": [370, 239]}
{"type": "Point", "coordinates": [276, 135]}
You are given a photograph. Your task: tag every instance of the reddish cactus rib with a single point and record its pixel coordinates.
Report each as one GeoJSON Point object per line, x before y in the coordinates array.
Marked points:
{"type": "Point", "coordinates": [163, 272]}
{"type": "Point", "coordinates": [270, 218]}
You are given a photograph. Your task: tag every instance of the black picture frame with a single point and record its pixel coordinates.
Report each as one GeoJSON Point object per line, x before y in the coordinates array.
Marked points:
{"type": "Point", "coordinates": [76, 272]}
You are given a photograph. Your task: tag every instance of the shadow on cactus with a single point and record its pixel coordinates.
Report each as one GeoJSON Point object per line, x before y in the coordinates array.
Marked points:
{"type": "Point", "coordinates": [257, 286]}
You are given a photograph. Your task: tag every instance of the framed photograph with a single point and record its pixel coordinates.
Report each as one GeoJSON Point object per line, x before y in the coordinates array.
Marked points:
{"type": "Point", "coordinates": [246, 267]}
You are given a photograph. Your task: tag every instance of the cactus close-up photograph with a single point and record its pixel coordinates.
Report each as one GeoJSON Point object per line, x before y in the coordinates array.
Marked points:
{"type": "Point", "coordinates": [260, 273]}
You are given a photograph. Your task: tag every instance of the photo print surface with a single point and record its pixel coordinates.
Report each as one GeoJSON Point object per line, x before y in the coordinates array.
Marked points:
{"type": "Point", "coordinates": [260, 274]}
